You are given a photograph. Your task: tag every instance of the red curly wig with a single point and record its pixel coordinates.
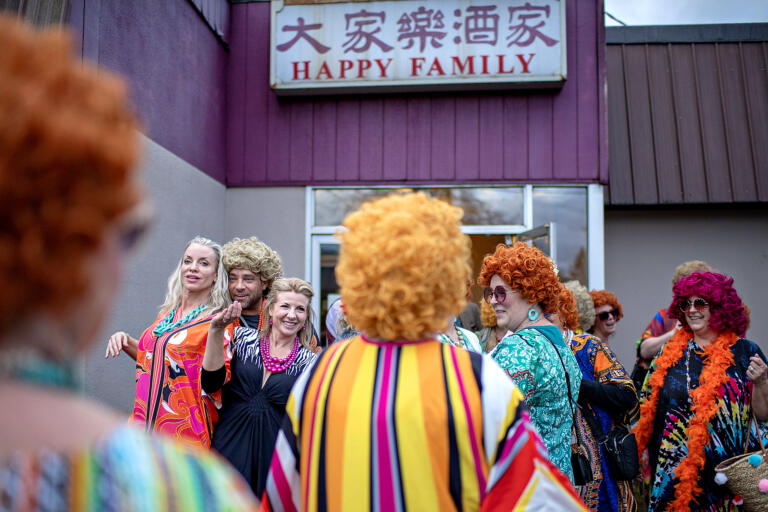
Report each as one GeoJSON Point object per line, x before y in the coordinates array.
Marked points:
{"type": "Point", "coordinates": [526, 270]}
{"type": "Point", "coordinates": [727, 311]}
{"type": "Point", "coordinates": [605, 298]}
{"type": "Point", "coordinates": [68, 147]}
{"type": "Point", "coordinates": [568, 312]}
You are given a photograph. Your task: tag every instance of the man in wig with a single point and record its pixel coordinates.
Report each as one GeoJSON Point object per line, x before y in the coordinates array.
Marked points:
{"type": "Point", "coordinates": [392, 419]}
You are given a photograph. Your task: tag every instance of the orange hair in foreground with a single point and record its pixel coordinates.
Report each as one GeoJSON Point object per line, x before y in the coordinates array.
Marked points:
{"type": "Point", "coordinates": [526, 270]}
{"type": "Point", "coordinates": [68, 146]}
{"type": "Point", "coordinates": [568, 313]}
{"type": "Point", "coordinates": [403, 266]}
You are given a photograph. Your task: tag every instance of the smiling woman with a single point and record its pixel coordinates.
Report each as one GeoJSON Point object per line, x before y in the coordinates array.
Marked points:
{"type": "Point", "coordinates": [169, 354]}
{"type": "Point", "coordinates": [264, 366]}
{"type": "Point", "coordinates": [699, 396]}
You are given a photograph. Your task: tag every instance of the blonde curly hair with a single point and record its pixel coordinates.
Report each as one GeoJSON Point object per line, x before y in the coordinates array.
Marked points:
{"type": "Point", "coordinates": [584, 304]}
{"type": "Point", "coordinates": [688, 268]}
{"type": "Point", "coordinates": [487, 314]}
{"type": "Point", "coordinates": [254, 255]}
{"type": "Point", "coordinates": [403, 266]}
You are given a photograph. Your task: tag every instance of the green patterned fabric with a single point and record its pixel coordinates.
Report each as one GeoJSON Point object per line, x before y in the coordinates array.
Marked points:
{"type": "Point", "coordinates": [531, 359]}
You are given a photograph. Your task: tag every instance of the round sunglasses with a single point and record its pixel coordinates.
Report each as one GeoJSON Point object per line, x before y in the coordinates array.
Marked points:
{"type": "Point", "coordinates": [698, 305]}
{"type": "Point", "coordinates": [499, 292]}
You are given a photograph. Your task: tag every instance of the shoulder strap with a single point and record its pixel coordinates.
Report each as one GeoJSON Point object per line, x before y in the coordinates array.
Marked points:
{"type": "Point", "coordinates": [567, 383]}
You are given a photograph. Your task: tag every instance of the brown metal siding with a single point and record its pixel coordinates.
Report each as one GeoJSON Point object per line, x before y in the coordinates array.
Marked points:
{"type": "Point", "coordinates": [687, 123]}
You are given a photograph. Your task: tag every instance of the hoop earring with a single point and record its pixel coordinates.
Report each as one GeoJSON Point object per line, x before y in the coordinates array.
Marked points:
{"type": "Point", "coordinates": [533, 315]}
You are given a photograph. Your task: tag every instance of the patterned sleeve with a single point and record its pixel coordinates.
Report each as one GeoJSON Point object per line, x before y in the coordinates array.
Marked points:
{"type": "Point", "coordinates": [521, 476]}
{"type": "Point", "coordinates": [516, 357]}
{"type": "Point", "coordinates": [282, 491]}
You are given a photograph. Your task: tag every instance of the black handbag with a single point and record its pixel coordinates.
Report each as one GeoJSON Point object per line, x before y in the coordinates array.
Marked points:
{"type": "Point", "coordinates": [619, 448]}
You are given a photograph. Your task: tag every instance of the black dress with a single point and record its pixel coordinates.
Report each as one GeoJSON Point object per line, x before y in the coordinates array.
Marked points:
{"type": "Point", "coordinates": [251, 415]}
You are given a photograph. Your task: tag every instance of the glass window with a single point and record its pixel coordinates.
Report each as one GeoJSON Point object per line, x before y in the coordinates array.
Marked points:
{"type": "Point", "coordinates": [566, 207]}
{"type": "Point", "coordinates": [482, 206]}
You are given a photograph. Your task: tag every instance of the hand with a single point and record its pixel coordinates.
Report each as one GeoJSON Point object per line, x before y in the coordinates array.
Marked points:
{"type": "Point", "coordinates": [757, 371]}
{"type": "Point", "coordinates": [227, 316]}
{"type": "Point", "coordinates": [117, 342]}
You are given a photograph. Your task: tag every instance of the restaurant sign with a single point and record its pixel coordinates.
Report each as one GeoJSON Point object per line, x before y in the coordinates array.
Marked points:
{"type": "Point", "coordinates": [411, 45]}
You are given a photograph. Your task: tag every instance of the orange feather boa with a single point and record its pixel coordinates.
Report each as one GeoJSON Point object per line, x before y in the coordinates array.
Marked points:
{"type": "Point", "coordinates": [717, 359]}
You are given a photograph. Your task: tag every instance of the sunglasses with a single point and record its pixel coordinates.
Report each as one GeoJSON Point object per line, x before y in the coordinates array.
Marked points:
{"type": "Point", "coordinates": [499, 292]}
{"type": "Point", "coordinates": [605, 314]}
{"type": "Point", "coordinates": [698, 305]}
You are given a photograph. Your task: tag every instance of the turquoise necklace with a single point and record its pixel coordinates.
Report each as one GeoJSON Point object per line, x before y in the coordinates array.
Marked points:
{"type": "Point", "coordinates": [167, 324]}
{"type": "Point", "coordinates": [29, 365]}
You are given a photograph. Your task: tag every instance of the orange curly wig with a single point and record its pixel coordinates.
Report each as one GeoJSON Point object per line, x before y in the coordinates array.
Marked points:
{"type": "Point", "coordinates": [68, 147]}
{"type": "Point", "coordinates": [568, 312]}
{"type": "Point", "coordinates": [603, 298]}
{"type": "Point", "coordinates": [526, 270]}
{"type": "Point", "coordinates": [403, 266]}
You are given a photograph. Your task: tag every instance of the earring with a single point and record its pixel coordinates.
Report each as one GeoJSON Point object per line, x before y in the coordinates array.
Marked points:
{"type": "Point", "coordinates": [533, 315]}
{"type": "Point", "coordinates": [270, 321]}
{"type": "Point", "coordinates": [304, 327]}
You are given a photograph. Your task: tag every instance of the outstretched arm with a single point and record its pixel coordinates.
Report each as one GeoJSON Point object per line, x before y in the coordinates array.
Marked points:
{"type": "Point", "coordinates": [122, 341]}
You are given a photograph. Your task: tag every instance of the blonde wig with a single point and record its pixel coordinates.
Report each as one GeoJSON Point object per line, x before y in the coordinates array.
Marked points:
{"type": "Point", "coordinates": [219, 295]}
{"type": "Point", "coordinates": [68, 149]}
{"type": "Point", "coordinates": [253, 255]}
{"type": "Point", "coordinates": [403, 266]}
{"type": "Point", "coordinates": [688, 268]}
{"type": "Point", "coordinates": [487, 314]}
{"type": "Point", "coordinates": [584, 304]}
{"type": "Point", "coordinates": [296, 285]}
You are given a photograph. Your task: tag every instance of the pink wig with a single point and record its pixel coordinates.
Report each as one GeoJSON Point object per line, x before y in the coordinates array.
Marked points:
{"type": "Point", "coordinates": [725, 306]}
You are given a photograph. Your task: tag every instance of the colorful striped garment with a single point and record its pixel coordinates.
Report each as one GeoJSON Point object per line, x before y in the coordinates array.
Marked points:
{"type": "Point", "coordinates": [410, 426]}
{"type": "Point", "coordinates": [128, 471]}
{"type": "Point", "coordinates": [598, 363]}
{"type": "Point", "coordinates": [169, 398]}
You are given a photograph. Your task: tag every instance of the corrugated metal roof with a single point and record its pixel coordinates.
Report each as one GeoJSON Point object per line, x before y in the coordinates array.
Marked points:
{"type": "Point", "coordinates": [687, 121]}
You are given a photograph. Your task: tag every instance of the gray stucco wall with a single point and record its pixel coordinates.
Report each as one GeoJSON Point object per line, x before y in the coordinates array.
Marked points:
{"type": "Point", "coordinates": [187, 203]}
{"type": "Point", "coordinates": [273, 214]}
{"type": "Point", "coordinates": [642, 248]}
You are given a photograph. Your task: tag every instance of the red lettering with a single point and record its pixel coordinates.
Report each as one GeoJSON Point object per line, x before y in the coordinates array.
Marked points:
{"type": "Point", "coordinates": [362, 66]}
{"type": "Point", "coordinates": [435, 67]}
{"type": "Point", "coordinates": [416, 65]}
{"type": "Point", "coordinates": [485, 64]}
{"type": "Point", "coordinates": [304, 70]}
{"type": "Point", "coordinates": [469, 63]}
{"type": "Point", "coordinates": [383, 69]}
{"type": "Point", "coordinates": [324, 70]}
{"type": "Point", "coordinates": [524, 62]}
{"type": "Point", "coordinates": [346, 65]}
{"type": "Point", "coordinates": [501, 66]}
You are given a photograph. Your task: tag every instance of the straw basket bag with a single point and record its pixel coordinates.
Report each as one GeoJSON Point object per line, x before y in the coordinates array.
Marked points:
{"type": "Point", "coordinates": [747, 475]}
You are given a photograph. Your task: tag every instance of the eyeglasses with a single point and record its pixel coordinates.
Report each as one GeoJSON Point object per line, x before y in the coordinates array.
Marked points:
{"type": "Point", "coordinates": [605, 314]}
{"type": "Point", "coordinates": [499, 292]}
{"type": "Point", "coordinates": [698, 305]}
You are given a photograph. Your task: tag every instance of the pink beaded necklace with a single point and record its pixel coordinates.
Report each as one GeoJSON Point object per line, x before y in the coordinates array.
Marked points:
{"type": "Point", "coordinates": [275, 364]}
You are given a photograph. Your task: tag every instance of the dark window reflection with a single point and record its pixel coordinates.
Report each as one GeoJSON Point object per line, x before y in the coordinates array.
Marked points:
{"type": "Point", "coordinates": [567, 208]}
{"type": "Point", "coordinates": [482, 206]}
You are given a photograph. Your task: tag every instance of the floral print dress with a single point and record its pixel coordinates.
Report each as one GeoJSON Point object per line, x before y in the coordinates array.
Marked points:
{"type": "Point", "coordinates": [534, 357]}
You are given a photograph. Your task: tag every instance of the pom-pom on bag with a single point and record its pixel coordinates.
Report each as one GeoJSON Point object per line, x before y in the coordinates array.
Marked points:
{"type": "Point", "coordinates": [747, 475]}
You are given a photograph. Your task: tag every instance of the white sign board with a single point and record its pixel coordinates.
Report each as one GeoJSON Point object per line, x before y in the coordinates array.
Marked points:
{"type": "Point", "coordinates": [416, 45]}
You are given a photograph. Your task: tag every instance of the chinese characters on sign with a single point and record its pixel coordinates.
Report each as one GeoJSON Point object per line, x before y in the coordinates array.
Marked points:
{"type": "Point", "coordinates": [419, 44]}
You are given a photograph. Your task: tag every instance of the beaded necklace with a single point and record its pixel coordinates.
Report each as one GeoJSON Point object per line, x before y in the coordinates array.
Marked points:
{"type": "Point", "coordinates": [461, 342]}
{"type": "Point", "coordinates": [167, 324]}
{"type": "Point", "coordinates": [275, 364]}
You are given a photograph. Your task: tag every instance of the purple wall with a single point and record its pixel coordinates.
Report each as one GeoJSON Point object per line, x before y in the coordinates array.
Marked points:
{"type": "Point", "coordinates": [175, 66]}
{"type": "Point", "coordinates": [547, 136]}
